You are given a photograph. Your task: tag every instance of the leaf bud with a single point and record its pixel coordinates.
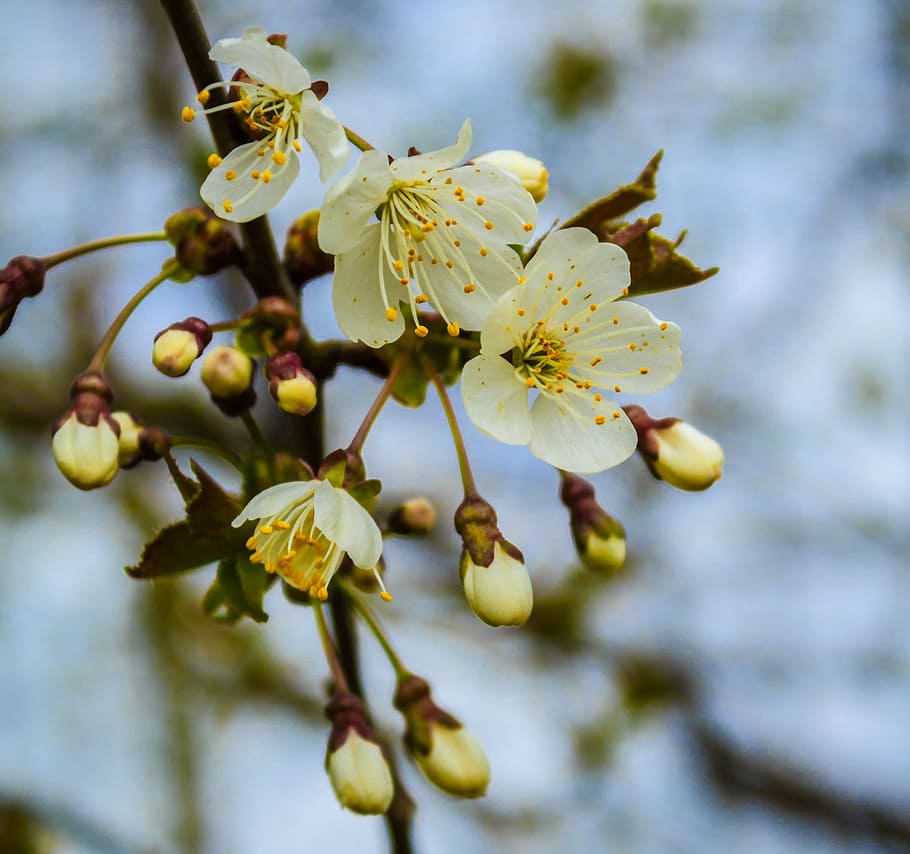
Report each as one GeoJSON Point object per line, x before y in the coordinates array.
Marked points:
{"type": "Point", "coordinates": [599, 539]}
{"type": "Point", "coordinates": [447, 752]}
{"type": "Point", "coordinates": [416, 516]}
{"type": "Point", "coordinates": [85, 444]}
{"type": "Point", "coordinates": [677, 452]}
{"type": "Point", "coordinates": [495, 580]}
{"type": "Point", "coordinates": [530, 172]}
{"type": "Point", "coordinates": [22, 277]}
{"type": "Point", "coordinates": [303, 259]}
{"type": "Point", "coordinates": [291, 385]}
{"type": "Point", "coordinates": [228, 375]}
{"type": "Point", "coordinates": [177, 347]}
{"type": "Point", "coordinates": [203, 243]}
{"type": "Point", "coordinates": [354, 760]}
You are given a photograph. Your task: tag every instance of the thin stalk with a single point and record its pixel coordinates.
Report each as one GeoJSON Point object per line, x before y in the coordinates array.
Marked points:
{"type": "Point", "coordinates": [103, 243]}
{"type": "Point", "coordinates": [210, 447]}
{"type": "Point", "coordinates": [372, 621]}
{"type": "Point", "coordinates": [331, 656]}
{"type": "Point", "coordinates": [357, 140]}
{"type": "Point", "coordinates": [467, 476]}
{"type": "Point", "coordinates": [374, 410]}
{"type": "Point", "coordinates": [259, 440]}
{"type": "Point", "coordinates": [104, 347]}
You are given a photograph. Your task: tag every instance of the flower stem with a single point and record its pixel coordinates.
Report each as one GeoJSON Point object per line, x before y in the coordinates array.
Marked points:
{"type": "Point", "coordinates": [204, 445]}
{"type": "Point", "coordinates": [103, 243]}
{"type": "Point", "coordinates": [467, 477]}
{"type": "Point", "coordinates": [367, 615]}
{"type": "Point", "coordinates": [368, 419]}
{"type": "Point", "coordinates": [341, 683]}
{"type": "Point", "coordinates": [104, 347]}
{"type": "Point", "coordinates": [260, 442]}
{"type": "Point", "coordinates": [357, 140]}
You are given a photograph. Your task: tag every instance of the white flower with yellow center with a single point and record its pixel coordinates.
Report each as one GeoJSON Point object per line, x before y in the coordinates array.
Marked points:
{"type": "Point", "coordinates": [561, 337]}
{"type": "Point", "coordinates": [307, 527]}
{"type": "Point", "coordinates": [276, 105]}
{"type": "Point", "coordinates": [441, 240]}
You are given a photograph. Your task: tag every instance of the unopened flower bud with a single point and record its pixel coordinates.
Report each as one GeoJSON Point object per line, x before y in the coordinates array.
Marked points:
{"type": "Point", "coordinates": [414, 516]}
{"type": "Point", "coordinates": [291, 385]}
{"type": "Point", "coordinates": [677, 452]}
{"type": "Point", "coordinates": [204, 244]}
{"type": "Point", "coordinates": [354, 760]}
{"type": "Point", "coordinates": [228, 375]}
{"type": "Point", "coordinates": [178, 346]}
{"type": "Point", "coordinates": [303, 259]}
{"type": "Point", "coordinates": [447, 752]}
{"type": "Point", "coordinates": [599, 538]}
{"type": "Point", "coordinates": [530, 171]}
{"type": "Point", "coordinates": [85, 444]}
{"type": "Point", "coordinates": [129, 453]}
{"type": "Point", "coordinates": [272, 324]}
{"type": "Point", "coordinates": [22, 277]}
{"type": "Point", "coordinates": [495, 579]}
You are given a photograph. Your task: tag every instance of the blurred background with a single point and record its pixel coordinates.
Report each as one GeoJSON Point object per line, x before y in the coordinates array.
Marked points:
{"type": "Point", "coordinates": [743, 687]}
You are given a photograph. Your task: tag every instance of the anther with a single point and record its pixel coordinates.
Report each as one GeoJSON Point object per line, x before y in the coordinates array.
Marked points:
{"type": "Point", "coordinates": [520, 312]}
{"type": "Point", "coordinates": [265, 529]}
{"type": "Point", "coordinates": [480, 200]}
{"type": "Point", "coordinates": [279, 157]}
{"type": "Point", "coordinates": [281, 525]}
{"type": "Point", "coordinates": [421, 331]}
{"type": "Point", "coordinates": [528, 226]}
{"type": "Point", "coordinates": [600, 419]}
{"type": "Point", "coordinates": [230, 175]}
{"type": "Point", "coordinates": [453, 329]}
{"type": "Point", "coordinates": [420, 299]}
{"type": "Point", "coordinates": [616, 321]}
{"type": "Point", "coordinates": [297, 145]}
{"type": "Point", "coordinates": [228, 207]}
{"type": "Point", "coordinates": [488, 225]}
{"type": "Point", "coordinates": [266, 176]}
{"type": "Point", "coordinates": [564, 301]}
{"type": "Point", "coordinates": [255, 174]}
{"type": "Point", "coordinates": [663, 326]}
{"type": "Point", "coordinates": [483, 252]}
{"type": "Point", "coordinates": [251, 543]}
{"type": "Point", "coordinates": [398, 265]}
{"type": "Point", "coordinates": [213, 161]}
{"type": "Point", "coordinates": [642, 370]}
{"type": "Point", "coordinates": [469, 288]}
{"type": "Point", "coordinates": [595, 361]}
{"type": "Point", "coordinates": [529, 382]}
{"type": "Point", "coordinates": [188, 114]}
{"type": "Point", "coordinates": [592, 307]}
{"type": "Point", "coordinates": [391, 314]}
{"type": "Point", "coordinates": [617, 388]}
{"type": "Point", "coordinates": [203, 97]}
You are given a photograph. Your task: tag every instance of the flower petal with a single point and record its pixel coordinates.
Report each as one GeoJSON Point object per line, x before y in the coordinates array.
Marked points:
{"type": "Point", "coordinates": [566, 435]}
{"type": "Point", "coordinates": [262, 61]}
{"type": "Point", "coordinates": [243, 197]}
{"type": "Point", "coordinates": [509, 319]}
{"type": "Point", "coordinates": [422, 166]}
{"type": "Point", "coordinates": [351, 202]}
{"type": "Point", "coordinates": [324, 134]}
{"type": "Point", "coordinates": [273, 500]}
{"type": "Point", "coordinates": [496, 400]}
{"type": "Point", "coordinates": [635, 352]}
{"type": "Point", "coordinates": [347, 524]}
{"type": "Point", "coordinates": [357, 294]}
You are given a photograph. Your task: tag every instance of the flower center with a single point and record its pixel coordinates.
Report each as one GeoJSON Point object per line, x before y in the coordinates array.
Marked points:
{"type": "Point", "coordinates": [543, 360]}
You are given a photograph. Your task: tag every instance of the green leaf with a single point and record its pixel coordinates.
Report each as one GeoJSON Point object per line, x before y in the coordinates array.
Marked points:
{"type": "Point", "coordinates": [365, 492]}
{"type": "Point", "coordinates": [186, 486]}
{"type": "Point", "coordinates": [237, 591]}
{"type": "Point", "coordinates": [212, 509]}
{"type": "Point", "coordinates": [410, 388]}
{"type": "Point", "coordinates": [178, 548]}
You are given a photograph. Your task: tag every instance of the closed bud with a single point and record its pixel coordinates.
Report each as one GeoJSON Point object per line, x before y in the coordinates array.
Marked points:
{"type": "Point", "coordinates": [415, 516]}
{"type": "Point", "coordinates": [177, 347]}
{"type": "Point", "coordinates": [129, 452]}
{"type": "Point", "coordinates": [354, 760]}
{"type": "Point", "coordinates": [85, 444]}
{"type": "Point", "coordinates": [447, 752]}
{"type": "Point", "coordinates": [530, 171]}
{"type": "Point", "coordinates": [500, 593]}
{"type": "Point", "coordinates": [599, 539]}
{"type": "Point", "coordinates": [291, 385]}
{"type": "Point", "coordinates": [204, 244]}
{"type": "Point", "coordinates": [228, 375]}
{"type": "Point", "coordinates": [22, 277]}
{"type": "Point", "coordinates": [272, 324]}
{"type": "Point", "coordinates": [303, 259]}
{"type": "Point", "coordinates": [677, 452]}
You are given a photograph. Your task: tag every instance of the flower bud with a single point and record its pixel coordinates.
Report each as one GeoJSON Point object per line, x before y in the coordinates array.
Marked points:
{"type": "Point", "coordinates": [204, 244]}
{"type": "Point", "coordinates": [178, 346]}
{"type": "Point", "coordinates": [272, 324]}
{"type": "Point", "coordinates": [496, 582]}
{"type": "Point", "coordinates": [291, 385]}
{"type": "Point", "coordinates": [22, 277]}
{"type": "Point", "coordinates": [85, 443]}
{"type": "Point", "coordinates": [354, 760]}
{"type": "Point", "coordinates": [415, 516]}
{"type": "Point", "coordinates": [303, 259]}
{"type": "Point", "coordinates": [447, 752]}
{"type": "Point", "coordinates": [129, 453]}
{"type": "Point", "coordinates": [677, 452]}
{"type": "Point", "coordinates": [228, 375]}
{"type": "Point", "coordinates": [599, 539]}
{"type": "Point", "coordinates": [530, 171]}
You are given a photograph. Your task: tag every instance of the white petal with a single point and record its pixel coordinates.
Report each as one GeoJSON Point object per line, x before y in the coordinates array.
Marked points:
{"type": "Point", "coordinates": [273, 500]}
{"type": "Point", "coordinates": [656, 350]}
{"type": "Point", "coordinates": [566, 435]}
{"type": "Point", "coordinates": [325, 135]}
{"type": "Point", "coordinates": [351, 202]}
{"type": "Point", "coordinates": [262, 61]}
{"type": "Point", "coordinates": [496, 400]}
{"type": "Point", "coordinates": [248, 198]}
{"type": "Point", "coordinates": [347, 524]}
{"type": "Point", "coordinates": [506, 204]}
{"type": "Point", "coordinates": [422, 166]}
{"type": "Point", "coordinates": [357, 295]}
{"type": "Point", "coordinates": [504, 327]}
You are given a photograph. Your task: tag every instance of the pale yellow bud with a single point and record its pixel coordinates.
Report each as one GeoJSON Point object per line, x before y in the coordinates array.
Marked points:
{"type": "Point", "coordinates": [296, 396]}
{"type": "Point", "coordinates": [128, 442]}
{"type": "Point", "coordinates": [455, 762]}
{"type": "Point", "coordinates": [605, 554]}
{"type": "Point", "coordinates": [360, 776]}
{"type": "Point", "coordinates": [530, 171]}
{"type": "Point", "coordinates": [686, 458]}
{"type": "Point", "coordinates": [174, 351]}
{"type": "Point", "coordinates": [227, 372]}
{"type": "Point", "coordinates": [499, 594]}
{"type": "Point", "coordinates": [87, 455]}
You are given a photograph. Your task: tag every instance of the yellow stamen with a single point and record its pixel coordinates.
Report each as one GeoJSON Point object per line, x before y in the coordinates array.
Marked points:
{"type": "Point", "coordinates": [421, 331]}
{"type": "Point", "coordinates": [213, 161]}
{"type": "Point", "coordinates": [203, 97]}
{"type": "Point", "coordinates": [188, 114]}
{"type": "Point", "coordinates": [453, 329]}
{"type": "Point", "coordinates": [230, 175]}
{"type": "Point", "coordinates": [228, 207]}
{"type": "Point", "coordinates": [266, 176]}
{"type": "Point", "coordinates": [391, 314]}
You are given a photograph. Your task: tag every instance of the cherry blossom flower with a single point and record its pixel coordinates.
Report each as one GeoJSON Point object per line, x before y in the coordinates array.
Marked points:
{"type": "Point", "coordinates": [441, 240]}
{"type": "Point", "coordinates": [560, 336]}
